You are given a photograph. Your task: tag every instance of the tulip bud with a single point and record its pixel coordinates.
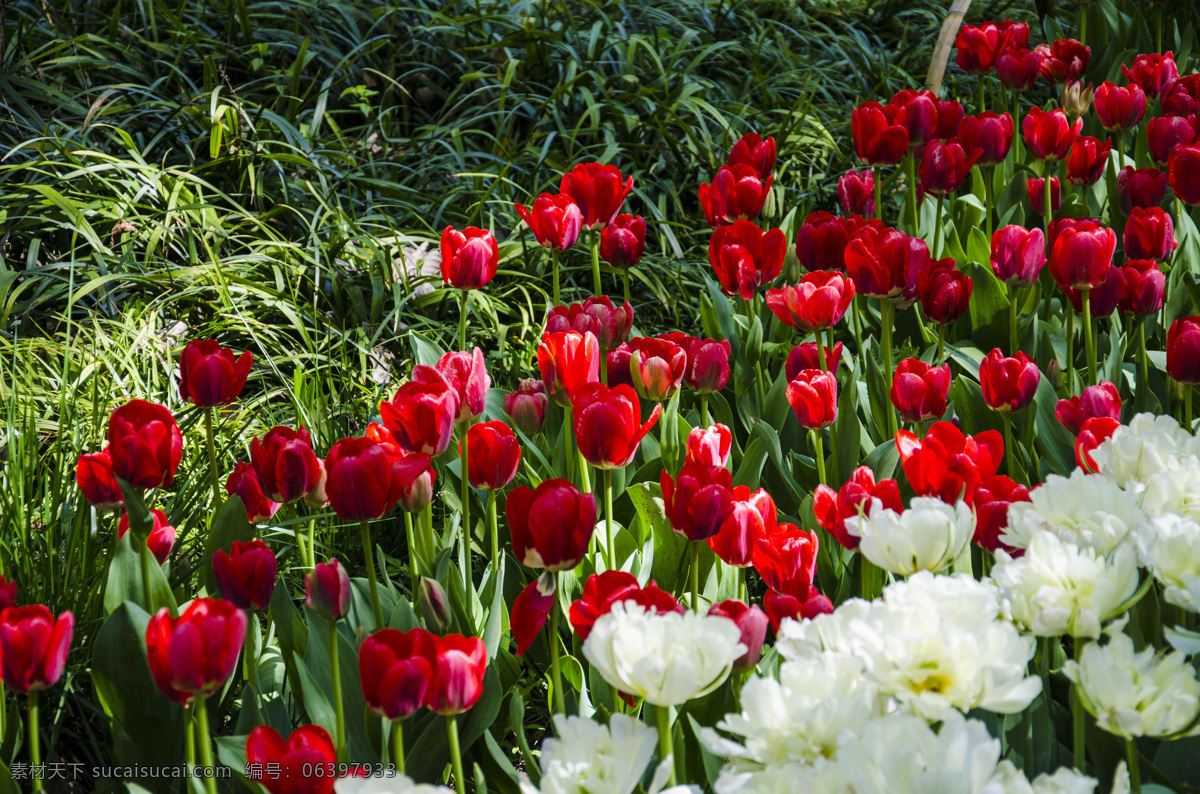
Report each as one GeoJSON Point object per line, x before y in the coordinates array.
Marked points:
{"type": "Point", "coordinates": [1182, 98]}
{"type": "Point", "coordinates": [527, 406]}
{"type": "Point", "coordinates": [944, 166]}
{"type": "Point", "coordinates": [945, 292]}
{"type": "Point", "coordinates": [467, 374]}
{"type": "Point", "coordinates": [947, 463]}
{"type": "Point", "coordinates": [1152, 72]}
{"type": "Point", "coordinates": [1009, 383]}
{"type": "Point", "coordinates": [752, 622]}
{"type": "Point", "coordinates": [286, 465]}
{"type": "Point", "coordinates": [1100, 400]}
{"type": "Point", "coordinates": [494, 455]}
{"type": "Point", "coordinates": [602, 590]}
{"type": "Point", "coordinates": [1082, 255]}
{"type": "Point", "coordinates": [327, 590]}
{"type": "Point", "coordinates": [396, 670]}
{"type": "Point", "coordinates": [1183, 350]}
{"type": "Point", "coordinates": [568, 361]}
{"type": "Point", "coordinates": [991, 501]}
{"type": "Point", "coordinates": [210, 375]}
{"type": "Point", "coordinates": [833, 509]}
{"type": "Point", "coordinates": [780, 606]}
{"type": "Point", "coordinates": [744, 257]}
{"type": "Point", "coordinates": [194, 654]}
{"type": "Point", "coordinates": [753, 151]}
{"type": "Point", "coordinates": [1087, 160]}
{"type": "Point", "coordinates": [813, 397]}
{"type": "Point", "coordinates": [145, 444]}
{"type": "Point", "coordinates": [161, 538]}
{"type": "Point", "coordinates": [423, 411]}
{"type": "Point", "coordinates": [698, 501]}
{"type": "Point", "coordinates": [435, 606]}
{"type": "Point", "coordinates": [879, 139]}
{"type": "Point", "coordinates": [989, 134]}
{"type": "Point", "coordinates": [1035, 188]}
{"type": "Point", "coordinates": [469, 257]}
{"type": "Point", "coordinates": [555, 220]}
{"type": "Point", "coordinates": [1092, 434]}
{"type": "Point", "coordinates": [656, 367]}
{"type": "Point", "coordinates": [1149, 234]}
{"type": "Point", "coordinates": [1120, 108]}
{"type": "Point", "coordinates": [531, 609]}
{"type": "Point", "coordinates": [308, 749]}
{"type": "Point", "coordinates": [1018, 69]}
{"type": "Point", "coordinates": [818, 302]}
{"type": "Point", "coordinates": [707, 369]}
{"type": "Point", "coordinates": [34, 646]}
{"type": "Point", "coordinates": [243, 483]}
{"type": "Point", "coordinates": [599, 190]}
{"type": "Point", "coordinates": [856, 193]}
{"type": "Point", "coordinates": [919, 391]}
{"type": "Point", "coordinates": [246, 574]}
{"type": "Point", "coordinates": [1049, 134]}
{"type": "Point", "coordinates": [1064, 60]}
{"type": "Point", "coordinates": [737, 192]}
{"type": "Point", "coordinates": [1143, 287]}
{"type": "Point", "coordinates": [1076, 98]}
{"type": "Point", "coordinates": [1162, 135]}
{"type": "Point", "coordinates": [709, 445]}
{"type": "Point", "coordinates": [608, 425]}
{"type": "Point", "coordinates": [94, 475]}
{"type": "Point", "coordinates": [806, 356]}
{"type": "Point", "coordinates": [1140, 187]}
{"type": "Point", "coordinates": [623, 241]}
{"type": "Point", "coordinates": [1183, 173]}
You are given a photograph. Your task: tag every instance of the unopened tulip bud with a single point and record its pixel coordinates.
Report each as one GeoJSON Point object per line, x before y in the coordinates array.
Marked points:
{"type": "Point", "coordinates": [752, 622]}
{"type": "Point", "coordinates": [1076, 97]}
{"type": "Point", "coordinates": [327, 590]}
{"type": "Point", "coordinates": [434, 605]}
{"type": "Point", "coordinates": [527, 406]}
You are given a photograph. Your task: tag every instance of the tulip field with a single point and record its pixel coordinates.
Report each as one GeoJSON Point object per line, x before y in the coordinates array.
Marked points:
{"type": "Point", "coordinates": [576, 397]}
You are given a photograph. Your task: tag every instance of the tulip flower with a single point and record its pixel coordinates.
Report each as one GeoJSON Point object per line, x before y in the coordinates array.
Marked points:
{"type": "Point", "coordinates": [246, 574]}
{"type": "Point", "coordinates": [162, 535]}
{"type": "Point", "coordinates": [530, 610]}
{"type": "Point", "coordinates": [1018, 255]}
{"type": "Point", "coordinates": [458, 676]}
{"type": "Point", "coordinates": [568, 361]}
{"type": "Point", "coordinates": [1102, 298]}
{"type": "Point", "coordinates": [599, 190]}
{"type": "Point", "coordinates": [1140, 187]}
{"type": "Point", "coordinates": [807, 356]}
{"type": "Point", "coordinates": [1017, 34]}
{"type": "Point", "coordinates": [698, 500]}
{"type": "Point", "coordinates": [467, 375]}
{"type": "Point", "coordinates": [753, 516]}
{"type": "Point", "coordinates": [1120, 108]}
{"type": "Point", "coordinates": [422, 413]}
{"type": "Point", "coordinates": [709, 445]}
{"type": "Point", "coordinates": [1163, 134]}
{"type": "Point", "coordinates": [880, 261]}
{"type": "Point", "coordinates": [527, 406]}
{"type": "Point", "coordinates": [8, 593]}
{"type": "Point", "coordinates": [1149, 234]}
{"type": "Point", "coordinates": [469, 257]}
{"type": "Point", "coordinates": [1183, 173]}
{"type": "Point", "coordinates": [787, 560]}
{"type": "Point", "coordinates": [818, 302]}
{"type": "Point", "coordinates": [707, 368]}
{"type": "Point", "coordinates": [396, 670]}
{"type": "Point", "coordinates": [416, 492]}
{"type": "Point", "coordinates": [210, 375]}
{"type": "Point", "coordinates": [1100, 400]}
{"type": "Point", "coordinates": [991, 501]}
{"type": "Point", "coordinates": [946, 463]}
{"type": "Point", "coordinates": [1036, 189]}
{"type": "Point", "coordinates": [195, 653]}
{"type": "Point", "coordinates": [744, 257]}
{"type": "Point", "coordinates": [364, 482]}
{"type": "Point", "coordinates": [926, 117]}
{"type": "Point", "coordinates": [978, 47]}
{"type": "Point", "coordinates": [555, 220]}
{"type": "Point", "coordinates": [945, 292]}
{"type": "Point", "coordinates": [1092, 434]}
{"type": "Point", "coordinates": [880, 138]}
{"type": "Point", "coordinates": [928, 536]}
{"type": "Point", "coordinates": [617, 361]}
{"type": "Point", "coordinates": [753, 151]}
{"type": "Point", "coordinates": [751, 622]}
{"type": "Point", "coordinates": [919, 391]}
{"type": "Point", "coordinates": [656, 367]}
{"type": "Point", "coordinates": [287, 468]}
{"type": "Point", "coordinates": [94, 476]}
{"type": "Point", "coordinates": [1049, 135]}
{"type": "Point", "coordinates": [1183, 350]}
{"type": "Point", "coordinates": [145, 444]}
{"type": "Point", "coordinates": [608, 426]}
{"type": "Point", "coordinates": [494, 455]}
{"type": "Point", "coordinates": [1076, 98]}
{"type": "Point", "coordinates": [1082, 255]}
{"type": "Point", "coordinates": [1063, 60]}
{"type": "Point", "coordinates": [822, 238]}
{"type": "Point", "coordinates": [327, 590]}
{"type": "Point", "coordinates": [834, 508]}
{"type": "Point", "coordinates": [306, 761]}
{"type": "Point", "coordinates": [611, 324]}
{"type": "Point", "coordinates": [1087, 161]}
{"type": "Point", "coordinates": [33, 647]}
{"type": "Point", "coordinates": [813, 397]}
{"type": "Point", "coordinates": [944, 166]}
{"type": "Point", "coordinates": [988, 135]}
{"type": "Point", "coordinates": [1059, 225]}
{"type": "Point", "coordinates": [1152, 72]}
{"type": "Point", "coordinates": [1143, 286]}
{"type": "Point", "coordinates": [1008, 382]}
{"type": "Point", "coordinates": [737, 192]}
{"type": "Point", "coordinates": [623, 241]}
{"type": "Point", "coordinates": [856, 194]}
{"type": "Point", "coordinates": [1019, 69]}
{"type": "Point", "coordinates": [602, 590]}
{"type": "Point", "coordinates": [779, 606]}
{"type": "Point", "coordinates": [551, 525]}
{"type": "Point", "coordinates": [243, 483]}
{"type": "Point", "coordinates": [1182, 98]}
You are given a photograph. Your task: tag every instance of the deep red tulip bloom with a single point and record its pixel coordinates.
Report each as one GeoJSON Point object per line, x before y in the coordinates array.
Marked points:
{"type": "Point", "coordinates": [1063, 60]}
{"type": "Point", "coordinates": [396, 669]}
{"type": "Point", "coordinates": [1087, 160]}
{"type": "Point", "coordinates": [530, 610]}
{"type": "Point", "coordinates": [1099, 400]}
{"type": "Point", "coordinates": [623, 241]}
{"type": "Point", "coordinates": [1152, 72]}
{"type": "Point", "coordinates": [287, 468]}
{"type": "Point", "coordinates": [1017, 34]}
{"type": "Point", "coordinates": [919, 391]}
{"type": "Point", "coordinates": [1119, 107]}
{"type": "Point", "coordinates": [753, 151]}
{"type": "Point", "coordinates": [8, 593]}
{"type": "Point", "coordinates": [1140, 187]}
{"type": "Point", "coordinates": [813, 397]}
{"type": "Point", "coordinates": [944, 166]}
{"type": "Point", "coordinates": [469, 257]}
{"type": "Point", "coordinates": [551, 525]}
{"type": "Point", "coordinates": [1182, 98]}
{"type": "Point", "coordinates": [1008, 382]}
{"type": "Point", "coordinates": [416, 486]}
{"type": "Point", "coordinates": [94, 476]}
{"type": "Point", "coordinates": [1183, 173]}
{"type": "Point", "coordinates": [978, 47]}
{"type": "Point", "coordinates": [752, 622]}
{"type": "Point", "coordinates": [822, 238]}
{"type": "Point", "coordinates": [753, 517]}
{"type": "Point", "coordinates": [608, 426]}
{"type": "Point", "coordinates": [618, 360]}
{"type": "Point", "coordinates": [1036, 190]}
{"type": "Point", "coordinates": [699, 500]}
{"type": "Point", "coordinates": [422, 413]}
{"type": "Point", "coordinates": [1149, 234]}
{"type": "Point", "coordinates": [709, 445]}
{"type": "Point", "coordinates": [467, 374]}
{"type": "Point", "coordinates": [1094, 432]}
{"type": "Point", "coordinates": [162, 535]}
{"type": "Point", "coordinates": [779, 606]}
{"type": "Point", "coordinates": [1018, 255]}
{"type": "Point", "coordinates": [989, 135]}
{"type": "Point", "coordinates": [787, 560]}
{"type": "Point", "coordinates": [195, 653]}
{"type": "Point", "coordinates": [458, 677]}
{"type": "Point", "coordinates": [856, 194]}
{"type": "Point", "coordinates": [1143, 286]}
{"type": "Point", "coordinates": [493, 455]}
{"type": "Point", "coordinates": [945, 292]}
{"type": "Point", "coordinates": [1019, 69]}
{"type": "Point", "coordinates": [246, 574]}
{"type": "Point", "coordinates": [991, 500]}
{"type": "Point", "coordinates": [707, 368]}
{"type": "Point", "coordinates": [33, 647]}
{"type": "Point", "coordinates": [1183, 350]}
{"type": "Point", "coordinates": [1082, 255]}
{"type": "Point", "coordinates": [599, 190]}
{"type": "Point", "coordinates": [555, 220]}
{"type": "Point", "coordinates": [306, 761]}
{"type": "Point", "coordinates": [602, 590]}
{"type": "Point", "coordinates": [568, 361]}
{"type": "Point", "coordinates": [948, 464]}
{"type": "Point", "coordinates": [1049, 135]}
{"type": "Point", "coordinates": [1061, 224]}
{"type": "Point", "coordinates": [327, 590]}
{"type": "Point", "coordinates": [805, 356]}
{"type": "Point", "coordinates": [878, 138]}
{"type": "Point", "coordinates": [364, 482]}
{"type": "Point", "coordinates": [736, 193]}
{"type": "Point", "coordinates": [744, 257]}
{"type": "Point", "coordinates": [526, 406]}
{"type": "Point", "coordinates": [834, 508]}
{"type": "Point", "coordinates": [211, 375]}
{"type": "Point", "coordinates": [1103, 297]}
{"type": "Point", "coordinates": [926, 117]}
{"type": "Point", "coordinates": [243, 483]}
{"type": "Point", "coordinates": [819, 301]}
{"type": "Point", "coordinates": [880, 261]}
{"type": "Point", "coordinates": [145, 444]}
{"type": "Point", "coordinates": [610, 323]}
{"type": "Point", "coordinates": [656, 367]}
{"type": "Point", "coordinates": [1163, 134]}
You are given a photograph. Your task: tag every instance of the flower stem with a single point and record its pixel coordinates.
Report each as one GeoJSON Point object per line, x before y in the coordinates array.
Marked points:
{"type": "Point", "coordinates": [463, 308]}
{"type": "Point", "coordinates": [1016, 114]}
{"type": "Point", "coordinates": [982, 103]}
{"type": "Point", "coordinates": [694, 575]}
{"type": "Point", "coordinates": [704, 410]}
{"type": "Point", "coordinates": [1012, 322]}
{"type": "Point", "coordinates": [1049, 209]}
{"type": "Point", "coordinates": [595, 266]}
{"type": "Point", "coordinates": [35, 751]}
{"type": "Point", "coordinates": [1069, 386]}
{"type": "Point", "coordinates": [910, 162]}
{"type": "Point", "coordinates": [885, 313]}
{"type": "Point", "coordinates": [312, 543]}
{"type": "Point", "coordinates": [398, 745]}
{"type": "Point", "coordinates": [365, 529]}
{"type": "Point", "coordinates": [554, 272]}
{"type": "Point", "coordinates": [666, 742]}
{"type": "Point", "coordinates": [556, 665]}
{"type": "Point", "coordinates": [205, 742]}
{"type": "Point", "coordinates": [1135, 775]}
{"type": "Point", "coordinates": [819, 454]}
{"type": "Point", "coordinates": [189, 735]}
{"type": "Point", "coordinates": [989, 199]}
{"type": "Point", "coordinates": [340, 737]}
{"type": "Point", "coordinates": [1143, 384]}
{"type": "Point", "coordinates": [625, 282]}
{"type": "Point", "coordinates": [411, 539]}
{"type": "Point", "coordinates": [460, 785]}
{"type": "Point", "coordinates": [568, 430]}
{"type": "Point", "coordinates": [1187, 406]}
{"type": "Point", "coordinates": [465, 493]}
{"type": "Point", "coordinates": [1089, 340]}
{"type": "Point", "coordinates": [214, 476]}
{"type": "Point", "coordinates": [1077, 718]}
{"type": "Point", "coordinates": [494, 533]}
{"type": "Point", "coordinates": [878, 182]}
{"type": "Point", "coordinates": [937, 230]}
{"type": "Point", "coordinates": [941, 344]}
{"type": "Point", "coordinates": [144, 557]}
{"type": "Point", "coordinates": [1010, 450]}
{"type": "Point", "coordinates": [609, 535]}
{"type": "Point", "coordinates": [249, 660]}
{"type": "Point", "coordinates": [301, 554]}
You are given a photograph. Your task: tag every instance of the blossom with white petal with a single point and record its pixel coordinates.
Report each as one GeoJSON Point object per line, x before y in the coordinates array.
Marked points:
{"type": "Point", "coordinates": [1085, 509]}
{"type": "Point", "coordinates": [1139, 451]}
{"type": "Point", "coordinates": [668, 659]}
{"type": "Point", "coordinates": [928, 536]}
{"type": "Point", "coordinates": [1175, 490]}
{"type": "Point", "coordinates": [1170, 547]}
{"type": "Point", "coordinates": [1065, 780]}
{"type": "Point", "coordinates": [399, 784]}
{"type": "Point", "coordinates": [1060, 588]}
{"type": "Point", "coordinates": [587, 756]}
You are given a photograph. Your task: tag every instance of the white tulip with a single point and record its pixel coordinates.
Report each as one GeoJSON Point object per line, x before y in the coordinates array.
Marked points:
{"type": "Point", "coordinates": [928, 536]}
{"type": "Point", "coordinates": [1175, 490]}
{"type": "Point", "coordinates": [1065, 780]}
{"type": "Point", "coordinates": [1059, 588]}
{"type": "Point", "coordinates": [1170, 547]}
{"type": "Point", "coordinates": [667, 659]}
{"type": "Point", "coordinates": [399, 784]}
{"type": "Point", "coordinates": [1085, 509]}
{"type": "Point", "coordinates": [1141, 450]}
{"type": "Point", "coordinates": [586, 756]}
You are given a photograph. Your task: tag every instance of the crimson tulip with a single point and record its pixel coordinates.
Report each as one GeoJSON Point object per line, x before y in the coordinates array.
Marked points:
{"type": "Point", "coordinates": [806, 356]}
{"type": "Point", "coordinates": [1163, 134]}
{"type": "Point", "coordinates": [1183, 173]}
{"type": "Point", "coordinates": [422, 413]}
{"type": "Point", "coordinates": [1061, 224]}
{"type": "Point", "coordinates": [709, 445]}
{"type": "Point", "coordinates": [551, 525]}
{"type": "Point", "coordinates": [880, 136]}
{"type": "Point", "coordinates": [555, 220]}
{"type": "Point", "coordinates": [1018, 255]}
{"type": "Point", "coordinates": [306, 763]}
{"type": "Point", "coordinates": [1152, 72]}
{"type": "Point", "coordinates": [834, 508]}
{"type": "Point", "coordinates": [243, 483]}
{"type": "Point", "coordinates": [1082, 255]}
{"type": "Point", "coordinates": [946, 463]}
{"type": "Point", "coordinates": [1140, 187]}
{"type": "Point", "coordinates": [978, 47]}
{"type": "Point", "coordinates": [287, 468]}
{"type": "Point", "coordinates": [1049, 135]}
{"type": "Point", "coordinates": [989, 136]}
{"type": "Point", "coordinates": [752, 622]}
{"type": "Point", "coordinates": [736, 193]}
{"type": "Point", "coordinates": [527, 406]}
{"type": "Point", "coordinates": [246, 574]}
{"type": "Point", "coordinates": [602, 590]}
{"type": "Point", "coordinates": [1008, 382]}
{"type": "Point", "coordinates": [880, 261]}
{"type": "Point", "coordinates": [818, 302]}
{"type": "Point", "coordinates": [618, 360]}
{"type": "Point", "coordinates": [608, 426]}
{"type": "Point", "coordinates": [707, 368]}
{"type": "Point", "coordinates": [416, 485]}
{"type": "Point", "coordinates": [1143, 286]}
{"type": "Point", "coordinates": [364, 482]}
{"type": "Point", "coordinates": [327, 590]}
{"type": "Point", "coordinates": [469, 258]}
{"type": "Point", "coordinates": [162, 535]}
{"type": "Point", "coordinates": [458, 676]}
{"type": "Point", "coordinates": [744, 257]}
{"type": "Point", "coordinates": [1063, 60]}
{"type": "Point", "coordinates": [822, 238]}
{"type": "Point", "coordinates": [945, 292]}
{"type": "Point", "coordinates": [786, 559]}
{"type": "Point", "coordinates": [494, 455]}
{"type": "Point", "coordinates": [1017, 34]}
{"type": "Point", "coordinates": [1094, 432]}
{"type": "Point", "coordinates": [94, 476]}
{"type": "Point", "coordinates": [568, 362]}
{"type": "Point", "coordinates": [1183, 350]}
{"type": "Point", "coordinates": [698, 500]}
{"type": "Point", "coordinates": [1103, 297]}
{"type": "Point", "coordinates": [926, 117]}
{"type": "Point", "coordinates": [33, 647]}
{"type": "Point", "coordinates": [856, 194]}
{"type": "Point", "coordinates": [196, 652]}
{"type": "Point", "coordinates": [1036, 189]}
{"type": "Point", "coordinates": [991, 500]}
{"type": "Point", "coordinates": [623, 241]}
{"type": "Point", "coordinates": [599, 190]}
{"type": "Point", "coordinates": [753, 516]}
{"type": "Point", "coordinates": [1149, 234]}
{"type": "Point", "coordinates": [467, 374]}
{"type": "Point", "coordinates": [1099, 400]}
{"type": "Point", "coordinates": [8, 593]}
{"type": "Point", "coordinates": [779, 606]}
{"type": "Point", "coordinates": [610, 323]}
{"type": "Point", "coordinates": [944, 166]}
{"type": "Point", "coordinates": [210, 375]}
{"type": "Point", "coordinates": [530, 610]}
{"type": "Point", "coordinates": [396, 669]}
{"type": "Point", "coordinates": [656, 367]}
{"type": "Point", "coordinates": [1182, 98]}
{"type": "Point", "coordinates": [753, 151]}
{"type": "Point", "coordinates": [1087, 161]}
{"type": "Point", "coordinates": [813, 397]}
{"type": "Point", "coordinates": [1119, 108]}
{"type": "Point", "coordinates": [144, 443]}
{"type": "Point", "coordinates": [1019, 69]}
{"type": "Point", "coordinates": [919, 390]}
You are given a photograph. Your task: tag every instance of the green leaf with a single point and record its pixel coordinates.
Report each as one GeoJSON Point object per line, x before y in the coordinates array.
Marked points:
{"type": "Point", "coordinates": [229, 523]}
{"type": "Point", "coordinates": [670, 549]}
{"type": "Point", "coordinates": [1054, 443]}
{"type": "Point", "coordinates": [125, 580]}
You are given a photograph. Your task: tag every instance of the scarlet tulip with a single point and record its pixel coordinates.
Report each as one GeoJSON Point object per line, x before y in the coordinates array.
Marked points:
{"type": "Point", "coordinates": [945, 292]}
{"type": "Point", "coordinates": [33, 647]}
{"type": "Point", "coordinates": [805, 356]}
{"type": "Point", "coordinates": [752, 622]}
{"type": "Point", "coordinates": [599, 190]}
{"type": "Point", "coordinates": [786, 559]}
{"type": "Point", "coordinates": [527, 406]}
{"type": "Point", "coordinates": [1152, 72]}
{"type": "Point", "coordinates": [196, 652]}
{"type": "Point", "coordinates": [1182, 98]}
{"type": "Point", "coordinates": [1100, 400]}
{"type": "Point", "coordinates": [1008, 382]}
{"type": "Point", "coordinates": [822, 238]}
{"type": "Point", "coordinates": [779, 606]}
{"type": "Point", "coordinates": [494, 455]}
{"type": "Point", "coordinates": [1183, 173]}
{"type": "Point", "coordinates": [551, 525]}
{"type": "Point", "coordinates": [417, 486]}
{"type": "Point", "coordinates": [1103, 297]}
{"type": "Point", "coordinates": [1163, 134]}
{"type": "Point", "coordinates": [1143, 286]}
{"type": "Point", "coordinates": [555, 220]}
{"type": "Point", "coordinates": [469, 258]}
{"type": "Point", "coordinates": [1049, 134]}
{"type": "Point", "coordinates": [707, 368]}
{"type": "Point", "coordinates": [989, 135]}
{"type": "Point", "coordinates": [926, 117]}
{"type": "Point", "coordinates": [396, 669]}
{"type": "Point", "coordinates": [458, 676]}
{"type": "Point", "coordinates": [94, 475]}
{"type": "Point", "coordinates": [210, 375]}
{"type": "Point", "coordinates": [530, 610]}
{"type": "Point", "coordinates": [944, 166]}
{"type": "Point", "coordinates": [978, 47]}
{"type": "Point", "coordinates": [834, 508]}
{"type": "Point", "coordinates": [602, 590]}
{"type": "Point", "coordinates": [856, 193]}
{"type": "Point", "coordinates": [1088, 158]}
{"type": "Point", "coordinates": [656, 367]}
{"type": "Point", "coordinates": [8, 593]}
{"type": "Point", "coordinates": [919, 391]}
{"type": "Point", "coordinates": [1149, 234]}
{"type": "Point", "coordinates": [880, 137]}
{"type": "Point", "coordinates": [364, 482]}
{"type": "Point", "coordinates": [709, 445]}
{"type": "Point", "coordinates": [736, 193]}
{"type": "Point", "coordinates": [744, 257]}
{"type": "Point", "coordinates": [306, 763]}
{"type": "Point", "coordinates": [246, 574]}
{"type": "Point", "coordinates": [162, 535]}
{"type": "Point", "coordinates": [1016, 33]}
{"type": "Point", "coordinates": [1018, 255]}
{"type": "Point", "coordinates": [618, 360]}
{"type": "Point", "coordinates": [1063, 60]}
{"type": "Point", "coordinates": [1094, 432]}
{"type": "Point", "coordinates": [1018, 69]}
{"type": "Point", "coordinates": [813, 397]}
{"type": "Point", "coordinates": [753, 516]}
{"type": "Point", "coordinates": [880, 261]}
{"type": "Point", "coordinates": [948, 464]}
{"type": "Point", "coordinates": [698, 501]}
{"type": "Point", "coordinates": [1120, 108]}
{"type": "Point", "coordinates": [610, 324]}
{"type": "Point", "coordinates": [1140, 187]}
{"type": "Point", "coordinates": [1183, 350]}
{"type": "Point", "coordinates": [608, 426]}
{"type": "Point", "coordinates": [287, 468]}
{"type": "Point", "coordinates": [991, 501]}
{"type": "Point", "coordinates": [819, 301]}
{"type": "Point", "coordinates": [568, 361]}
{"type": "Point", "coordinates": [422, 413]}
{"type": "Point", "coordinates": [623, 241]}
{"type": "Point", "coordinates": [1082, 255]}
{"type": "Point", "coordinates": [1036, 189]}
{"type": "Point", "coordinates": [145, 444]}
{"type": "Point", "coordinates": [467, 374]}
{"type": "Point", "coordinates": [327, 590]}
{"type": "Point", "coordinates": [243, 483]}
{"type": "Point", "coordinates": [753, 151]}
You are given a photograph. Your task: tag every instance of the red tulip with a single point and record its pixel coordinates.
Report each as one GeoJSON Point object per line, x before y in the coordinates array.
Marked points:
{"type": "Point", "coordinates": [752, 622]}
{"type": "Point", "coordinates": [527, 406]}
{"type": "Point", "coordinates": [880, 261]}
{"type": "Point", "coordinates": [458, 676]}
{"type": "Point", "coordinates": [618, 360]}
{"type": "Point", "coordinates": [856, 193]}
{"type": "Point", "coordinates": [819, 301]}
{"type": "Point", "coordinates": [1049, 134]}
{"type": "Point", "coordinates": [416, 485]}
{"type": "Point", "coordinates": [34, 646]}
{"type": "Point", "coordinates": [422, 413]}
{"type": "Point", "coordinates": [707, 368]}
{"type": "Point", "coordinates": [1094, 432]}
{"type": "Point", "coordinates": [805, 356]}
{"type": "Point", "coordinates": [568, 361]}
{"type": "Point", "coordinates": [602, 590]}
{"type": "Point", "coordinates": [1008, 382]}
{"type": "Point", "coordinates": [1149, 234]}
{"type": "Point", "coordinates": [396, 669]}
{"type": "Point", "coordinates": [210, 375]}
{"type": "Point", "coordinates": [1143, 286]}
{"type": "Point", "coordinates": [753, 516]}
{"type": "Point", "coordinates": [1119, 108]}
{"type": "Point", "coordinates": [1163, 134]}
{"type": "Point", "coordinates": [1103, 297]}
{"type": "Point", "coordinates": [599, 190]}
{"type": "Point", "coordinates": [1182, 98]}
{"type": "Point", "coordinates": [656, 367]}
{"type": "Point", "coordinates": [753, 151]}
{"type": "Point", "coordinates": [1140, 187]}
{"type": "Point", "coordinates": [1017, 34]}
{"type": "Point", "coordinates": [698, 501]}
{"type": "Point", "coordinates": [709, 445]}
{"type": "Point", "coordinates": [787, 560]}
{"type": "Point", "coordinates": [467, 374]}
{"type": "Point", "coordinates": [287, 468]}
{"type": "Point", "coordinates": [945, 292]}
{"type": "Point", "coordinates": [162, 535]}
{"type": "Point", "coordinates": [989, 135]}
{"type": "Point", "coordinates": [821, 241]}
{"type": "Point", "coordinates": [944, 166]}
{"type": "Point", "coordinates": [991, 501]}
{"type": "Point", "coordinates": [919, 391]}
{"type": "Point", "coordinates": [94, 475]}
{"type": "Point", "coordinates": [327, 590]}
{"type": "Point", "coordinates": [556, 220]}
{"type": "Point", "coordinates": [530, 610]}
{"type": "Point", "coordinates": [1152, 72]}
{"type": "Point", "coordinates": [1061, 224]}
{"type": "Point", "coordinates": [1100, 400]}
{"type": "Point", "coordinates": [1183, 172]}
{"type": "Point", "coordinates": [946, 463]}
{"type": "Point", "coordinates": [469, 257]}
{"type": "Point", "coordinates": [1087, 161]}
{"type": "Point", "coordinates": [779, 606]}
{"type": "Point", "coordinates": [493, 455]}
{"type": "Point", "coordinates": [8, 593]}
{"type": "Point", "coordinates": [364, 481]}
{"type": "Point", "coordinates": [1183, 350]}
{"type": "Point", "coordinates": [244, 484]}
{"type": "Point", "coordinates": [744, 257]}
{"type": "Point", "coordinates": [608, 426]}
{"type": "Point", "coordinates": [1018, 255]}
{"type": "Point", "coordinates": [246, 574]}
{"type": "Point", "coordinates": [623, 241]}
{"type": "Point", "coordinates": [145, 444]}
{"type": "Point", "coordinates": [978, 47]}
{"type": "Point", "coordinates": [1036, 189]}
{"type": "Point", "coordinates": [834, 508]}
{"type": "Point", "coordinates": [610, 324]}
{"type": "Point", "coordinates": [551, 525]}
{"type": "Point", "coordinates": [1082, 255]}
{"type": "Point", "coordinates": [736, 193]}
{"type": "Point", "coordinates": [306, 763]}
{"type": "Point", "coordinates": [195, 653]}
{"type": "Point", "coordinates": [925, 116]}
{"type": "Point", "coordinates": [1063, 60]}
{"type": "Point", "coordinates": [880, 137]}
{"type": "Point", "coordinates": [813, 397]}
{"type": "Point", "coordinates": [1018, 69]}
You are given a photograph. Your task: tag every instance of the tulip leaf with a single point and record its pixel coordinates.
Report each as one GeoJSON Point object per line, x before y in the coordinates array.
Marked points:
{"type": "Point", "coordinates": [847, 436]}
{"type": "Point", "coordinates": [750, 470]}
{"type": "Point", "coordinates": [775, 453]}
{"type": "Point", "coordinates": [7, 786]}
{"type": "Point", "coordinates": [125, 580]}
{"type": "Point", "coordinates": [229, 523]}
{"type": "Point", "coordinates": [424, 351]}
{"type": "Point", "coordinates": [722, 312]}
{"type": "Point", "coordinates": [883, 460]}
{"type": "Point", "coordinates": [989, 296]}
{"type": "Point", "coordinates": [1055, 444]}
{"type": "Point", "coordinates": [670, 549]}
{"type": "Point", "coordinates": [491, 631]}
{"type": "Point", "coordinates": [316, 677]}
{"type": "Point", "coordinates": [141, 521]}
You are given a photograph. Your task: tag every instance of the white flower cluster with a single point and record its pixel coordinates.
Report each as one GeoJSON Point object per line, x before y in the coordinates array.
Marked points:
{"type": "Point", "coordinates": [928, 536]}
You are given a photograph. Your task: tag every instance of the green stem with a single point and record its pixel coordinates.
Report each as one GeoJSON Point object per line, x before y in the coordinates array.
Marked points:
{"type": "Point", "coordinates": [625, 282]}
{"type": "Point", "coordinates": [596, 290]}
{"type": "Point", "coordinates": [1069, 387]}
{"type": "Point", "coordinates": [1089, 340]}
{"type": "Point", "coordinates": [494, 533]}
{"type": "Point", "coordinates": [1187, 406]}
{"type": "Point", "coordinates": [1012, 321]}
{"type": "Point", "coordinates": [878, 182]}
{"type": "Point", "coordinates": [858, 345]}
{"type": "Point", "coordinates": [365, 529]}
{"type": "Point", "coordinates": [982, 104]}
{"type": "Point", "coordinates": [312, 543]}
{"type": "Point", "coordinates": [1135, 775]}
{"type": "Point", "coordinates": [204, 739]}
{"type": "Point", "coordinates": [1143, 384]}
{"type": "Point", "coordinates": [398, 745]}
{"type": "Point", "coordinates": [694, 575]}
{"type": "Point", "coordinates": [570, 455]}
{"type": "Point", "coordinates": [144, 557]}
{"type": "Point", "coordinates": [886, 311]}
{"type": "Point", "coordinates": [301, 554]}
{"type": "Point", "coordinates": [1016, 114]}
{"type": "Point", "coordinates": [666, 741]}
{"type": "Point", "coordinates": [460, 784]}
{"type": "Point", "coordinates": [1049, 208]}
{"type": "Point", "coordinates": [465, 493]}
{"type": "Point", "coordinates": [340, 725]}
{"type": "Point", "coordinates": [214, 476]}
{"type": "Point", "coordinates": [1083, 18]}
{"type": "Point", "coordinates": [989, 199]}
{"type": "Point", "coordinates": [937, 230]}
{"type": "Point", "coordinates": [427, 532]}
{"type": "Point", "coordinates": [871, 578]}
{"type": "Point", "coordinates": [910, 162]}
{"type": "Point", "coordinates": [819, 452]}
{"type": "Point", "coordinates": [189, 737]}
{"type": "Point", "coordinates": [704, 410]}
{"type": "Point", "coordinates": [555, 664]}
{"type": "Point", "coordinates": [941, 344]}
{"type": "Point", "coordinates": [554, 272]}
{"type": "Point", "coordinates": [1010, 450]}
{"type": "Point", "coordinates": [1077, 716]}
{"type": "Point", "coordinates": [35, 751]}
{"type": "Point", "coordinates": [610, 536]}
{"type": "Point", "coordinates": [411, 539]}
{"type": "Point", "coordinates": [1159, 26]}
{"type": "Point", "coordinates": [821, 360]}
{"type": "Point", "coordinates": [249, 659]}
{"type": "Point", "coordinates": [463, 308]}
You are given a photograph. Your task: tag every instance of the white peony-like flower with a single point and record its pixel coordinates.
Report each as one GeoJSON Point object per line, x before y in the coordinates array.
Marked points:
{"type": "Point", "coordinates": [1136, 694]}
{"type": "Point", "coordinates": [1175, 490]}
{"type": "Point", "coordinates": [928, 536]}
{"type": "Point", "coordinates": [1170, 547]}
{"type": "Point", "coordinates": [1085, 509]}
{"type": "Point", "coordinates": [1141, 450]}
{"type": "Point", "coordinates": [1065, 780]}
{"type": "Point", "coordinates": [668, 659]}
{"type": "Point", "coordinates": [1060, 588]}
{"type": "Point", "coordinates": [586, 756]}
{"type": "Point", "coordinates": [399, 784]}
